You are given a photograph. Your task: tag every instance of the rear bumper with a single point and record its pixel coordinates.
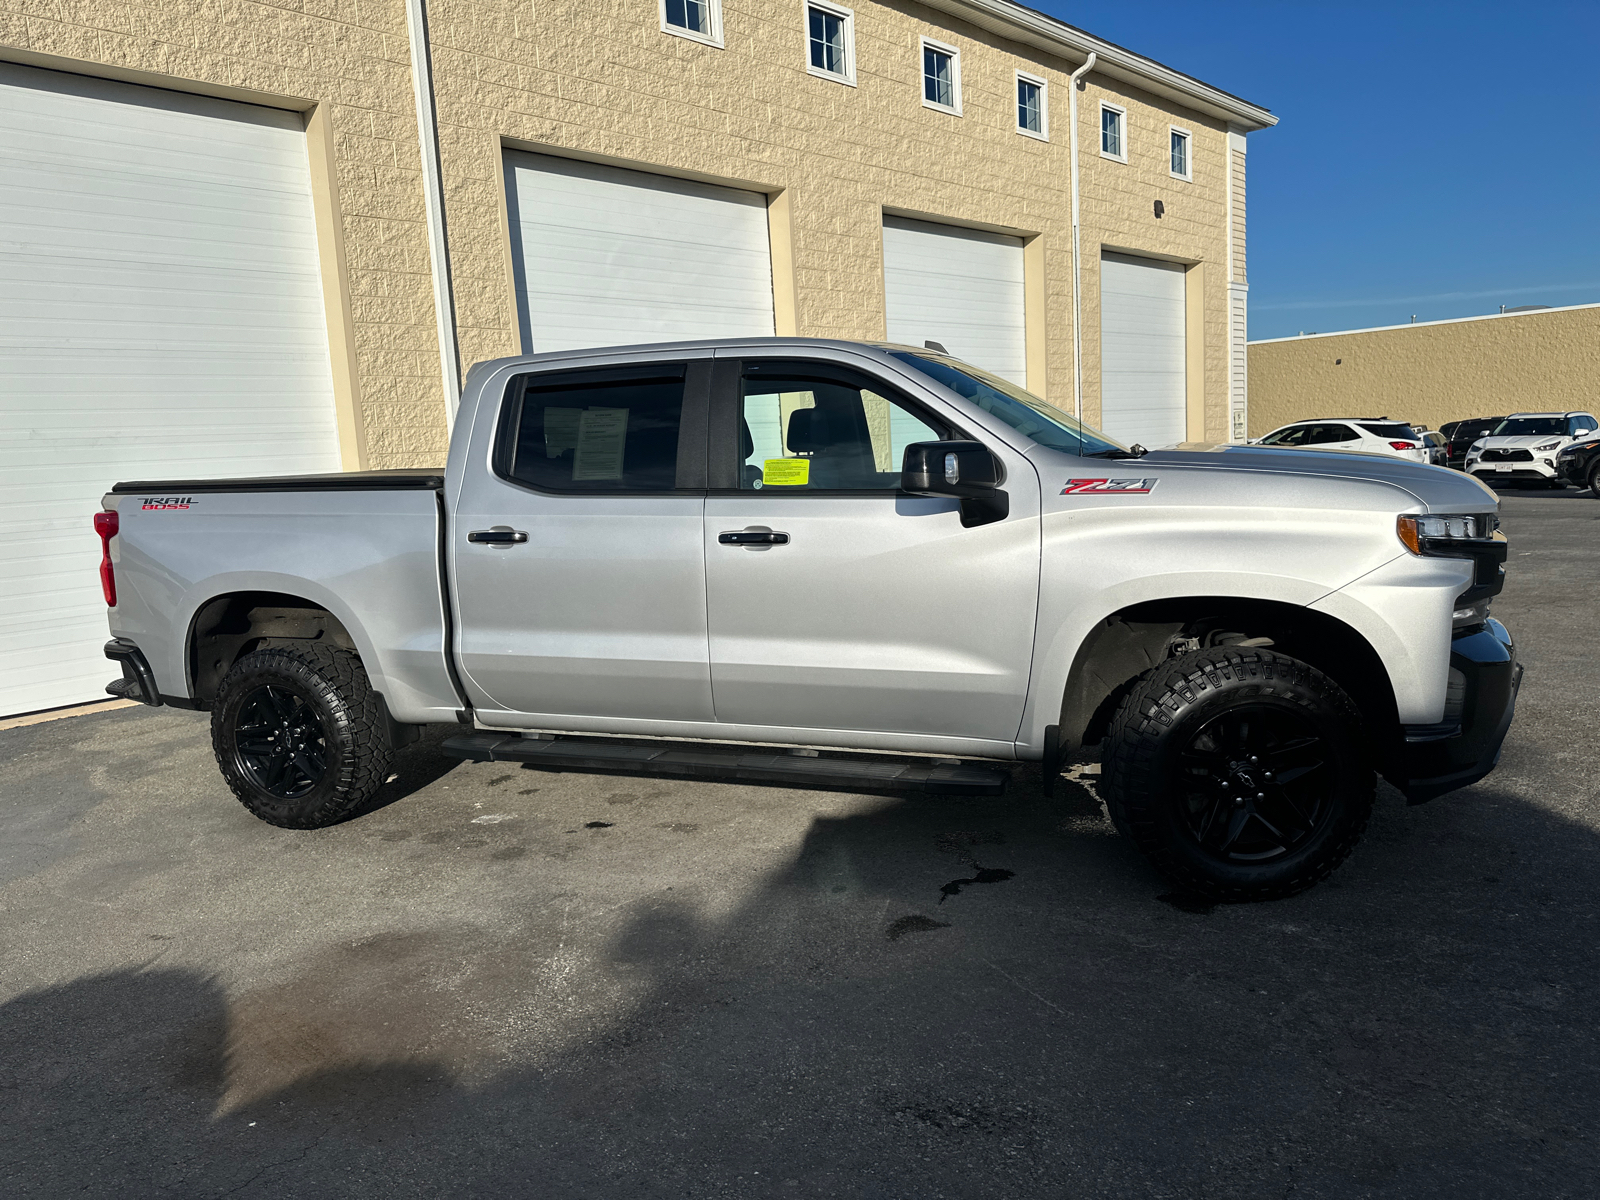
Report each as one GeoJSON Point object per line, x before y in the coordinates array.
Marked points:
{"type": "Point", "coordinates": [138, 681]}
{"type": "Point", "coordinates": [1435, 759]}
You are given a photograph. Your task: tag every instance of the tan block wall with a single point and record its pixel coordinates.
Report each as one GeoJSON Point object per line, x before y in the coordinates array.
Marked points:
{"type": "Point", "coordinates": [352, 58]}
{"type": "Point", "coordinates": [1431, 373]}
{"type": "Point", "coordinates": [609, 85]}
{"type": "Point", "coordinates": [598, 79]}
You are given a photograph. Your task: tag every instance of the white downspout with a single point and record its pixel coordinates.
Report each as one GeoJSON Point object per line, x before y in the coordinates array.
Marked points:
{"type": "Point", "coordinates": [1077, 250]}
{"type": "Point", "coordinates": [433, 203]}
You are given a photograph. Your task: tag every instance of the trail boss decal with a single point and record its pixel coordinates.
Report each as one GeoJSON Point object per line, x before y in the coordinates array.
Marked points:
{"type": "Point", "coordinates": [1115, 487]}
{"type": "Point", "coordinates": [162, 503]}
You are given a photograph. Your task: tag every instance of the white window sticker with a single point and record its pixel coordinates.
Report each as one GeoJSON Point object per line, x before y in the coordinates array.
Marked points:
{"type": "Point", "coordinates": [561, 430]}
{"type": "Point", "coordinates": [602, 437]}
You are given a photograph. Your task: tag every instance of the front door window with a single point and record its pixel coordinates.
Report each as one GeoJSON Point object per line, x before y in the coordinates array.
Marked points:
{"type": "Point", "coordinates": [809, 429]}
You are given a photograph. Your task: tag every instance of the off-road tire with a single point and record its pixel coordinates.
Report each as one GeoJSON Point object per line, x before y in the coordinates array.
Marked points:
{"type": "Point", "coordinates": [1151, 793]}
{"type": "Point", "coordinates": [333, 691]}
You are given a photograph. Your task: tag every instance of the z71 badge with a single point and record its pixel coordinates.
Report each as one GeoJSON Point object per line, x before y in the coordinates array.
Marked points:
{"type": "Point", "coordinates": [1116, 487]}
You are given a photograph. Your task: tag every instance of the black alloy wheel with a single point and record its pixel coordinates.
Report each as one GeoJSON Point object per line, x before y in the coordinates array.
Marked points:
{"type": "Point", "coordinates": [300, 736]}
{"type": "Point", "coordinates": [1256, 782]}
{"type": "Point", "coordinates": [1241, 774]}
{"type": "Point", "coordinates": [279, 742]}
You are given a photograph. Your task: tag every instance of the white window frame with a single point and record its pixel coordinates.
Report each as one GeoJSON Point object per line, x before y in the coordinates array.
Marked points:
{"type": "Point", "coordinates": [1188, 152]}
{"type": "Point", "coordinates": [714, 38]}
{"type": "Point", "coordinates": [1043, 132]}
{"type": "Point", "coordinates": [925, 44]}
{"type": "Point", "coordinates": [849, 17]}
{"type": "Point", "coordinates": [1099, 133]}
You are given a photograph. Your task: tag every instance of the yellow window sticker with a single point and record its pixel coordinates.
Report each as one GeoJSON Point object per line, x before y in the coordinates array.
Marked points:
{"type": "Point", "coordinates": [786, 472]}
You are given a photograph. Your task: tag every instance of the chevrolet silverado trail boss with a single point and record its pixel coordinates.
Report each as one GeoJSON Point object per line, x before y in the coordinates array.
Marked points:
{"type": "Point", "coordinates": [723, 557]}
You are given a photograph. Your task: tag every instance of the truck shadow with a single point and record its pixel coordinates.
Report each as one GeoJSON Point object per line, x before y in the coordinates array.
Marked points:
{"type": "Point", "coordinates": [963, 996]}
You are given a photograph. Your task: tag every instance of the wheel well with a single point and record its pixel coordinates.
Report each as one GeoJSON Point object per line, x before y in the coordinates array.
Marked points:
{"type": "Point", "coordinates": [229, 627]}
{"type": "Point", "coordinates": [1130, 641]}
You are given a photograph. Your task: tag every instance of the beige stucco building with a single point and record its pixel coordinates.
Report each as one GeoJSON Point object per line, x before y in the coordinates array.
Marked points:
{"type": "Point", "coordinates": [256, 237]}
{"type": "Point", "coordinates": [1431, 372]}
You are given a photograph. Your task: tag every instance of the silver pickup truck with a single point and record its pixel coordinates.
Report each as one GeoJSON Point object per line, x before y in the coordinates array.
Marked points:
{"type": "Point", "coordinates": [856, 564]}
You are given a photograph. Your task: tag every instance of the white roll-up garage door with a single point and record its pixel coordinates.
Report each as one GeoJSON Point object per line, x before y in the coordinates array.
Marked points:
{"type": "Point", "coordinates": [1143, 369]}
{"type": "Point", "coordinates": [609, 257]}
{"type": "Point", "coordinates": [959, 287]}
{"type": "Point", "coordinates": [160, 316]}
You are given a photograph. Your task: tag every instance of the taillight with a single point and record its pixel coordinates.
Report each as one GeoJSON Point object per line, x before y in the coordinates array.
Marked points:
{"type": "Point", "coordinates": [1402, 445]}
{"type": "Point", "coordinates": [105, 524]}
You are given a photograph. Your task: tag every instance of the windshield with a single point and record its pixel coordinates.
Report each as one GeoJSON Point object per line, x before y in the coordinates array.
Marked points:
{"type": "Point", "coordinates": [1529, 426]}
{"type": "Point", "coordinates": [1021, 410]}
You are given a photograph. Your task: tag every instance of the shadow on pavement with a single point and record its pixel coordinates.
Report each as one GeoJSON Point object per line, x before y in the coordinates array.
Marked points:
{"type": "Point", "coordinates": [1421, 1026]}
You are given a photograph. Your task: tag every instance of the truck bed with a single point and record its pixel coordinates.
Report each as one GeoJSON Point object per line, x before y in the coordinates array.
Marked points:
{"type": "Point", "coordinates": [363, 545]}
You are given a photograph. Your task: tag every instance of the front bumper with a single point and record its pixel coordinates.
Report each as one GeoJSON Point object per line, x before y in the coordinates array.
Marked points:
{"type": "Point", "coordinates": [1435, 759]}
{"type": "Point", "coordinates": [1522, 469]}
{"type": "Point", "coordinates": [1574, 469]}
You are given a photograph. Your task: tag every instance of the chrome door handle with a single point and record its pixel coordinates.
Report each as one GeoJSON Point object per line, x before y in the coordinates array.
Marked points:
{"type": "Point", "coordinates": [500, 535]}
{"type": "Point", "coordinates": [753, 537]}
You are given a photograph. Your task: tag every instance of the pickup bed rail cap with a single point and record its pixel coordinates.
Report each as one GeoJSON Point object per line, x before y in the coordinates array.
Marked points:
{"type": "Point", "coordinates": [341, 481]}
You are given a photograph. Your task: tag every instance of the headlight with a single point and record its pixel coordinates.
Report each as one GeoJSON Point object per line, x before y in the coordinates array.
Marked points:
{"type": "Point", "coordinates": [1477, 445]}
{"type": "Point", "coordinates": [1433, 533]}
{"type": "Point", "coordinates": [1578, 449]}
{"type": "Point", "coordinates": [1548, 445]}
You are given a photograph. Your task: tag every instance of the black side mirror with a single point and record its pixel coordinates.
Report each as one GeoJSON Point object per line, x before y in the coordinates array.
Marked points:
{"type": "Point", "coordinates": [966, 470]}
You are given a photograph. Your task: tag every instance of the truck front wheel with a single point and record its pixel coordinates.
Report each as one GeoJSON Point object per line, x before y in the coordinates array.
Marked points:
{"type": "Point", "coordinates": [299, 735]}
{"type": "Point", "coordinates": [1240, 774]}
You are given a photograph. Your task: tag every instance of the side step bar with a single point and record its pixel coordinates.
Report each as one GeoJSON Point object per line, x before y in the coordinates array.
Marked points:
{"type": "Point", "coordinates": [666, 758]}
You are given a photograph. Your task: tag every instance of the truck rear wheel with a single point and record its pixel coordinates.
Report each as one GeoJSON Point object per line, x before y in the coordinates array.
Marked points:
{"type": "Point", "coordinates": [1240, 774]}
{"type": "Point", "coordinates": [299, 735]}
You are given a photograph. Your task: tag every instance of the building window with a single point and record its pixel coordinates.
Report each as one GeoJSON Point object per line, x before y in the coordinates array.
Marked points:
{"type": "Point", "coordinates": [1113, 135]}
{"type": "Point", "coordinates": [830, 42]}
{"type": "Point", "coordinates": [1182, 165]}
{"type": "Point", "coordinates": [697, 19]}
{"type": "Point", "coordinates": [941, 77]}
{"type": "Point", "coordinates": [1033, 113]}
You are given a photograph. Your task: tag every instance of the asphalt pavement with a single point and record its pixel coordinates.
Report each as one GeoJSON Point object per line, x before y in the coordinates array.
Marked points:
{"type": "Point", "coordinates": [520, 982]}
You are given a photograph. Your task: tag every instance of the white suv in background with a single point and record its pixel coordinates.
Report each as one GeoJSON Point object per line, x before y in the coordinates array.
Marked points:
{"type": "Point", "coordinates": [1373, 435]}
{"type": "Point", "coordinates": [1524, 446]}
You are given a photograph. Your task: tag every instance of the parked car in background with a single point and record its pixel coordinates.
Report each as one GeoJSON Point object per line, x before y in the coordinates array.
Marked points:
{"type": "Point", "coordinates": [1461, 434]}
{"type": "Point", "coordinates": [1525, 446]}
{"type": "Point", "coordinates": [1437, 447]}
{"type": "Point", "coordinates": [1579, 464]}
{"type": "Point", "coordinates": [1373, 435]}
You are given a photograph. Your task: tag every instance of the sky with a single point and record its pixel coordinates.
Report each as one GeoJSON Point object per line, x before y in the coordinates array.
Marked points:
{"type": "Point", "coordinates": [1430, 160]}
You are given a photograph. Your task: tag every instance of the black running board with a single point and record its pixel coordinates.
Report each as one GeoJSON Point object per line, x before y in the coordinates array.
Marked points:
{"type": "Point", "coordinates": [667, 758]}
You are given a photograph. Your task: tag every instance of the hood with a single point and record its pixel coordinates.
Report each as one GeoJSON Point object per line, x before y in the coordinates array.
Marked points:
{"type": "Point", "coordinates": [1407, 481]}
{"type": "Point", "coordinates": [1524, 441]}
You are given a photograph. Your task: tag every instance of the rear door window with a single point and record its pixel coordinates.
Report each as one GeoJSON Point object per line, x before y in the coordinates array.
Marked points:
{"type": "Point", "coordinates": [611, 430]}
{"type": "Point", "coordinates": [1323, 435]}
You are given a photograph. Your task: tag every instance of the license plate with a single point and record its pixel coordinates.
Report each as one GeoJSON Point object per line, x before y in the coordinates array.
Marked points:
{"type": "Point", "coordinates": [1502, 466]}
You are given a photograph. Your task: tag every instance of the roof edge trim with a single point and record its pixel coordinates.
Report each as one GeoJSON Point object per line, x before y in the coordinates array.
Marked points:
{"type": "Point", "coordinates": [1537, 312]}
{"type": "Point", "coordinates": [1057, 37]}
